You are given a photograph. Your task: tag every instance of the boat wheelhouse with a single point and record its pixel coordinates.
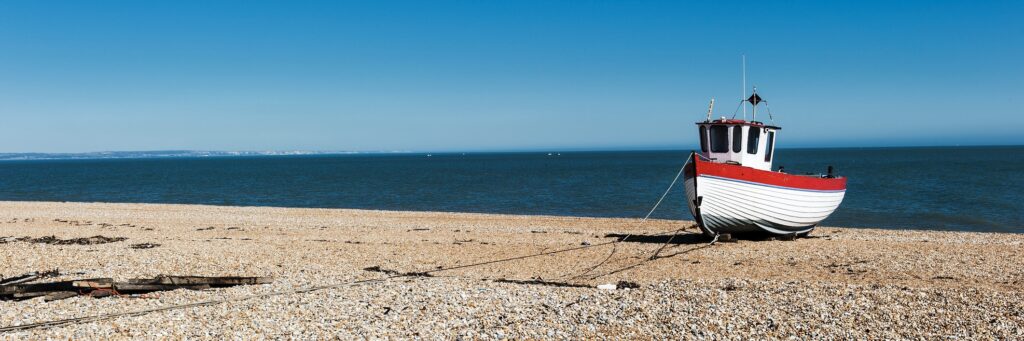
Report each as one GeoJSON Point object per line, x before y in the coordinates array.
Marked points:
{"type": "Point", "coordinates": [738, 142]}
{"type": "Point", "coordinates": [731, 188]}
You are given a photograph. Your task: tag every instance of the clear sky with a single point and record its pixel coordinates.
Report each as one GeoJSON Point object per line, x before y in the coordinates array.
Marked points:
{"type": "Point", "coordinates": [501, 75]}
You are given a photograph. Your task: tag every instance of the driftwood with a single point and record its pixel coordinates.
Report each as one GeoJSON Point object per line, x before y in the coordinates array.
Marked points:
{"type": "Point", "coordinates": [196, 280]}
{"type": "Point", "coordinates": [95, 283]}
{"type": "Point", "coordinates": [136, 288]}
{"type": "Point", "coordinates": [60, 295]}
{"type": "Point", "coordinates": [31, 276]}
{"type": "Point", "coordinates": [20, 287]}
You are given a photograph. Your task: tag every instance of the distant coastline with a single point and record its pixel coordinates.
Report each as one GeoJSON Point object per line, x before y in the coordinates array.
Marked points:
{"type": "Point", "coordinates": [155, 154]}
{"type": "Point", "coordinates": [166, 154]}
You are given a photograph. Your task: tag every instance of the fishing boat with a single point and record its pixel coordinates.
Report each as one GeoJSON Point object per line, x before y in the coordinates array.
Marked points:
{"type": "Point", "coordinates": [731, 187]}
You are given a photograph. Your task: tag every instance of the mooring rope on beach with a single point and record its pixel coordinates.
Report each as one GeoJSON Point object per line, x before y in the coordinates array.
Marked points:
{"type": "Point", "coordinates": [665, 244]}
{"type": "Point", "coordinates": [103, 317]}
{"type": "Point", "coordinates": [615, 246]}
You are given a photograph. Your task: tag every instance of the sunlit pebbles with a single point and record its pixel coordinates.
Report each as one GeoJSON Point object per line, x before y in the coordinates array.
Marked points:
{"type": "Point", "coordinates": [843, 283]}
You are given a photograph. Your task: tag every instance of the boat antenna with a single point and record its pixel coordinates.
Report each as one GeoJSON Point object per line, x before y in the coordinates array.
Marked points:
{"type": "Point", "coordinates": [711, 107]}
{"type": "Point", "coordinates": [753, 115]}
{"type": "Point", "coordinates": [754, 101]}
{"type": "Point", "coordinates": [744, 58]}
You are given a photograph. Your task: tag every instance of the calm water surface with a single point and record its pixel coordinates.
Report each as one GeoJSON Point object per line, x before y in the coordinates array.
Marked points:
{"type": "Point", "coordinates": [949, 188]}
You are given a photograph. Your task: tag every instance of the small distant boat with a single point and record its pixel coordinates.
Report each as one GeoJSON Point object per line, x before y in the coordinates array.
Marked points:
{"type": "Point", "coordinates": [730, 187]}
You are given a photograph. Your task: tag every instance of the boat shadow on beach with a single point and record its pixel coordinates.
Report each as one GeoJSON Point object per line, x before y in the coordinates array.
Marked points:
{"type": "Point", "coordinates": [689, 238]}
{"type": "Point", "coordinates": [680, 239]}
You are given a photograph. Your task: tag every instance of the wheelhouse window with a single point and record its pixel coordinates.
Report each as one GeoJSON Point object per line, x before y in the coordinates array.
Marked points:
{"type": "Point", "coordinates": [753, 135]}
{"type": "Point", "coordinates": [737, 139]}
{"type": "Point", "coordinates": [768, 149]}
{"type": "Point", "coordinates": [719, 139]}
{"type": "Point", "coordinates": [704, 139]}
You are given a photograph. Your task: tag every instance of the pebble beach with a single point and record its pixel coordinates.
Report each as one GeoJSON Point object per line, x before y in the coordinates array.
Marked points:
{"type": "Point", "coordinates": [340, 273]}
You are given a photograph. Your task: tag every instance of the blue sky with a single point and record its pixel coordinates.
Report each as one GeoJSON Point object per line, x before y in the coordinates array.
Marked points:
{"type": "Point", "coordinates": [501, 75]}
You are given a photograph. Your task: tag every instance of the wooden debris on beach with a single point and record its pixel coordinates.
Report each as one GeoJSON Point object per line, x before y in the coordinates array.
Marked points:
{"type": "Point", "coordinates": [53, 240]}
{"type": "Point", "coordinates": [31, 276]}
{"type": "Point", "coordinates": [21, 287]}
{"type": "Point", "coordinates": [197, 280]}
{"type": "Point", "coordinates": [143, 246]}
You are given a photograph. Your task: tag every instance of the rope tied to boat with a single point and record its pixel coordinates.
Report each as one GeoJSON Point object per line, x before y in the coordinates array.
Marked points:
{"type": "Point", "coordinates": [669, 241]}
{"type": "Point", "coordinates": [102, 317]}
{"type": "Point", "coordinates": [615, 246]}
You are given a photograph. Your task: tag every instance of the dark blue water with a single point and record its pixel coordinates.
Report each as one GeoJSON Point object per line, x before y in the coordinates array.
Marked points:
{"type": "Point", "coordinates": [949, 188]}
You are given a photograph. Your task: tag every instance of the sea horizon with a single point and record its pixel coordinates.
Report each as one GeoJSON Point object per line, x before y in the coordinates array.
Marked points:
{"type": "Point", "coordinates": [888, 187]}
{"type": "Point", "coordinates": [199, 153]}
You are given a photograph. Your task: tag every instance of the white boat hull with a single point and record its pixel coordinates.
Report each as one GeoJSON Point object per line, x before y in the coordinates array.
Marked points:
{"type": "Point", "coordinates": [725, 205]}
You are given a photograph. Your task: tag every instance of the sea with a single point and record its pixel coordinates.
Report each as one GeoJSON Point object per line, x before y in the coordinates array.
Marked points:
{"type": "Point", "coordinates": [935, 188]}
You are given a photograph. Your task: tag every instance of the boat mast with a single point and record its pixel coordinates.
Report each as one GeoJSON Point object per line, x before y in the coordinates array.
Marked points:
{"type": "Point", "coordinates": [744, 86]}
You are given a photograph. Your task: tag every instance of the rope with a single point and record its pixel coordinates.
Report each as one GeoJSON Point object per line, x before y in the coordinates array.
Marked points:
{"type": "Point", "coordinates": [737, 108]}
{"type": "Point", "coordinates": [615, 246]}
{"type": "Point", "coordinates": [769, 112]}
{"type": "Point", "coordinates": [58, 323]}
{"type": "Point", "coordinates": [648, 260]}
{"type": "Point", "coordinates": [654, 255]}
{"type": "Point", "coordinates": [101, 317]}
{"type": "Point", "coordinates": [658, 251]}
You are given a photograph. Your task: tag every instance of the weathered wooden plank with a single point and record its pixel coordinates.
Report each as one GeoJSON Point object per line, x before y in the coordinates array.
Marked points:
{"type": "Point", "coordinates": [130, 287]}
{"type": "Point", "coordinates": [30, 294]}
{"type": "Point", "coordinates": [101, 293]}
{"type": "Point", "coordinates": [19, 279]}
{"type": "Point", "coordinates": [101, 287]}
{"type": "Point", "coordinates": [28, 277]}
{"type": "Point", "coordinates": [59, 295]}
{"type": "Point", "coordinates": [36, 287]}
{"type": "Point", "coordinates": [212, 281]}
{"type": "Point", "coordinates": [93, 283]}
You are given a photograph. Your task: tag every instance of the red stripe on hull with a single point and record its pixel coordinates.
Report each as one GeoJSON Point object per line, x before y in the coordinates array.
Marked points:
{"type": "Point", "coordinates": [738, 172]}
